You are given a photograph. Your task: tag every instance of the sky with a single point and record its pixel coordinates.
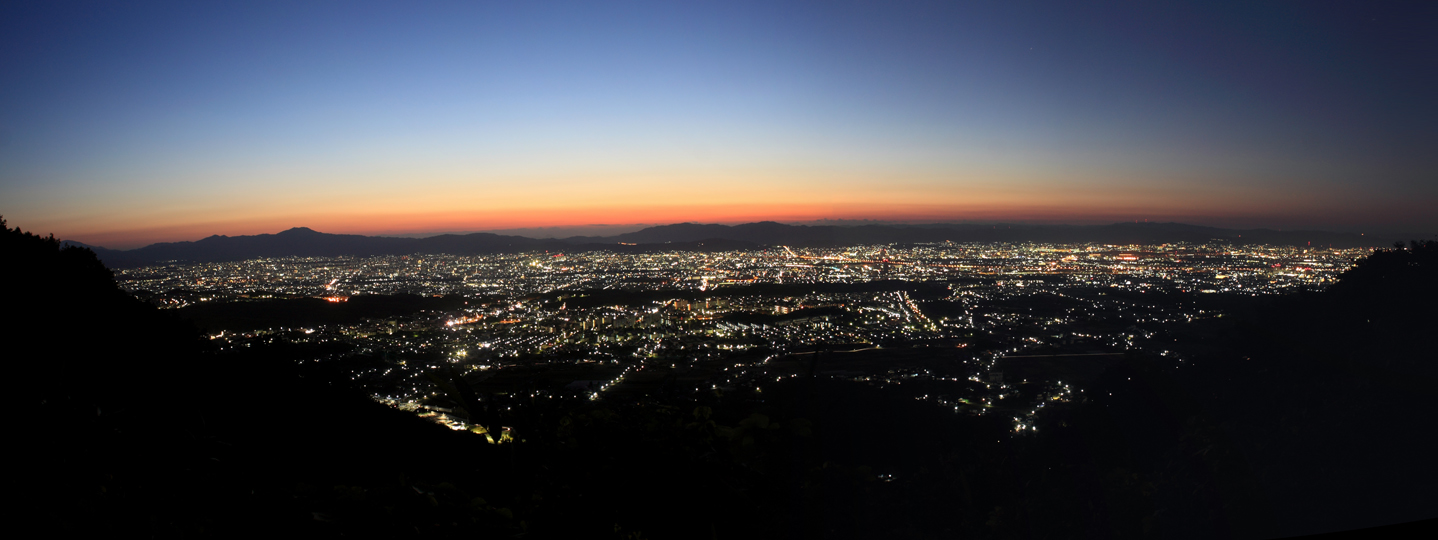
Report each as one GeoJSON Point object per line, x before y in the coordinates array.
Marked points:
{"type": "Point", "coordinates": [123, 124]}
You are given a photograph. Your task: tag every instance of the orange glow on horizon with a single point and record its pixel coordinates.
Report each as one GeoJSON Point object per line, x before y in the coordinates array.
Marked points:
{"type": "Point", "coordinates": [425, 223]}
{"type": "Point", "coordinates": [439, 211]}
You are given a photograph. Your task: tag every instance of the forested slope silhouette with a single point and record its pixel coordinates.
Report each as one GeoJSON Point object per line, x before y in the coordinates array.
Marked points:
{"type": "Point", "coordinates": [124, 421]}
{"type": "Point", "coordinates": [1328, 394]}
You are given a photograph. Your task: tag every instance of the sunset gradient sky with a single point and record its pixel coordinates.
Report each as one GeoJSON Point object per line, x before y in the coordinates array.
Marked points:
{"type": "Point", "coordinates": [125, 124]}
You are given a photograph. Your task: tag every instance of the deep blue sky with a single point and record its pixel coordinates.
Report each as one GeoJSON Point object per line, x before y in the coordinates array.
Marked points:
{"type": "Point", "coordinates": [124, 124]}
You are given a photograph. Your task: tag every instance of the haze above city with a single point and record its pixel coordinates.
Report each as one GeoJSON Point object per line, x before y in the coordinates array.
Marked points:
{"type": "Point", "coordinates": [124, 125]}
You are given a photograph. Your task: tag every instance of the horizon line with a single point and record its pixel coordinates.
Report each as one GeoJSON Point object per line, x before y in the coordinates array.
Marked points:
{"type": "Point", "coordinates": [825, 222]}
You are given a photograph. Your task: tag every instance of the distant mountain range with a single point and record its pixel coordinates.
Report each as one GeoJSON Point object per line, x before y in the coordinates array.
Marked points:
{"type": "Point", "coordinates": [305, 242]}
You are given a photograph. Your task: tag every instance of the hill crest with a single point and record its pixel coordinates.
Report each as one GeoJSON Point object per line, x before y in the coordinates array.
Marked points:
{"type": "Point", "coordinates": [307, 242]}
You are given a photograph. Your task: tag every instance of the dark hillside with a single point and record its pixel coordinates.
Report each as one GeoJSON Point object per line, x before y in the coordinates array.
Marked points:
{"type": "Point", "coordinates": [1329, 394]}
{"type": "Point", "coordinates": [123, 423]}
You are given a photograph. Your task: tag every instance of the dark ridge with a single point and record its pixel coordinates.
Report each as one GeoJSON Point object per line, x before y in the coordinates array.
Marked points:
{"type": "Point", "coordinates": [304, 242]}
{"type": "Point", "coordinates": [772, 233]}
{"type": "Point", "coordinates": [125, 422]}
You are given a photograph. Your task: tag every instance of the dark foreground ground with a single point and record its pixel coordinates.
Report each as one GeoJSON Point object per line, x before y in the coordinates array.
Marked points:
{"type": "Point", "coordinates": [1303, 415]}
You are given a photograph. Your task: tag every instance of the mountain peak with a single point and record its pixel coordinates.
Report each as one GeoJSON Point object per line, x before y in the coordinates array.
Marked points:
{"type": "Point", "coordinates": [300, 230]}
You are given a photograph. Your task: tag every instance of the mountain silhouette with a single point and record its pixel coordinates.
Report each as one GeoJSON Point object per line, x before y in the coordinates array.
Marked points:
{"type": "Point", "coordinates": [306, 242]}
